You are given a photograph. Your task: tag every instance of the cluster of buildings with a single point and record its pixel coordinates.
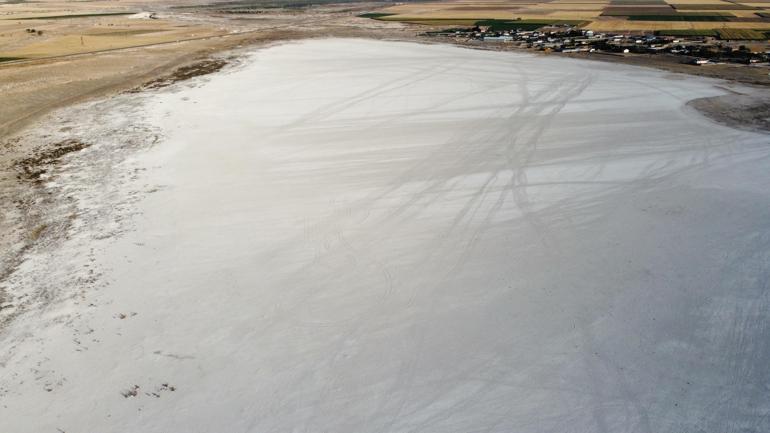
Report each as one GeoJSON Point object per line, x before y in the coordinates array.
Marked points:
{"type": "Point", "coordinates": [700, 50]}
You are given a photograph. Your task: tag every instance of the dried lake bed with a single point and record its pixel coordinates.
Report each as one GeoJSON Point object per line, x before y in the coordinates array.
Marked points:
{"type": "Point", "coordinates": [343, 235]}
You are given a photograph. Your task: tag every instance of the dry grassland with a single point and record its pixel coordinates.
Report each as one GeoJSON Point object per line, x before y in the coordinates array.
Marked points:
{"type": "Point", "coordinates": [56, 37]}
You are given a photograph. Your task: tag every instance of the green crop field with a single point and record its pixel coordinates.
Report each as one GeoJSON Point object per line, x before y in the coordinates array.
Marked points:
{"type": "Point", "coordinates": [451, 30]}
{"type": "Point", "coordinates": [726, 34]}
{"type": "Point", "coordinates": [741, 34]}
{"type": "Point", "coordinates": [63, 17]}
{"type": "Point", "coordinates": [432, 21]}
{"type": "Point", "coordinates": [374, 15]}
{"type": "Point", "coordinates": [679, 17]}
{"type": "Point", "coordinates": [687, 32]}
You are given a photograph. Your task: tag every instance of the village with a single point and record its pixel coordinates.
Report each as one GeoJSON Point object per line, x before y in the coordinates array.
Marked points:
{"type": "Point", "coordinates": [696, 50]}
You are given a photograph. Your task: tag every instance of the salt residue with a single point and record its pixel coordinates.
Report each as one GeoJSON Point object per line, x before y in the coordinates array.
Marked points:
{"type": "Point", "coordinates": [360, 236]}
{"type": "Point", "coordinates": [143, 16]}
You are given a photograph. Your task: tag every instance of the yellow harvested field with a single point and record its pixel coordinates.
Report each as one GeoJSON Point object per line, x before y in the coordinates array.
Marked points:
{"type": "Point", "coordinates": [487, 8]}
{"type": "Point", "coordinates": [578, 2]}
{"type": "Point", "coordinates": [746, 14]}
{"type": "Point", "coordinates": [572, 7]}
{"type": "Point", "coordinates": [573, 15]}
{"type": "Point", "coordinates": [69, 44]}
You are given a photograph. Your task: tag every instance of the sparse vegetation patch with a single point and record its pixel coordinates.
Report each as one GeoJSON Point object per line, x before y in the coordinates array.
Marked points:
{"type": "Point", "coordinates": [184, 73]}
{"type": "Point", "coordinates": [33, 167]}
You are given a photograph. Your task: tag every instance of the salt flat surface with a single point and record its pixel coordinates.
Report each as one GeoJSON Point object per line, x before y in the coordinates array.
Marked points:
{"type": "Point", "coordinates": [360, 236]}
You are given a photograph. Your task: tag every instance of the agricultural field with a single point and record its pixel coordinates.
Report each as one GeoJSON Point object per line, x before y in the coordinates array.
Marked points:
{"type": "Point", "coordinates": [741, 34]}
{"type": "Point", "coordinates": [723, 34]}
{"type": "Point", "coordinates": [41, 30]}
{"type": "Point", "coordinates": [751, 18]}
{"type": "Point", "coordinates": [690, 32]}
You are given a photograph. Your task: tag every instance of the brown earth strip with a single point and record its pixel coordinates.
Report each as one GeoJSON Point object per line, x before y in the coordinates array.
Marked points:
{"type": "Point", "coordinates": [203, 67]}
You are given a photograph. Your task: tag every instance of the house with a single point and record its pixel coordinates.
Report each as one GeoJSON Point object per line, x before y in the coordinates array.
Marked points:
{"type": "Point", "coordinates": [501, 38]}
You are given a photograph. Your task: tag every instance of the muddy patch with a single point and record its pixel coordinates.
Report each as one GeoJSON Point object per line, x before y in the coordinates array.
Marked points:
{"type": "Point", "coordinates": [738, 110]}
{"type": "Point", "coordinates": [34, 167]}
